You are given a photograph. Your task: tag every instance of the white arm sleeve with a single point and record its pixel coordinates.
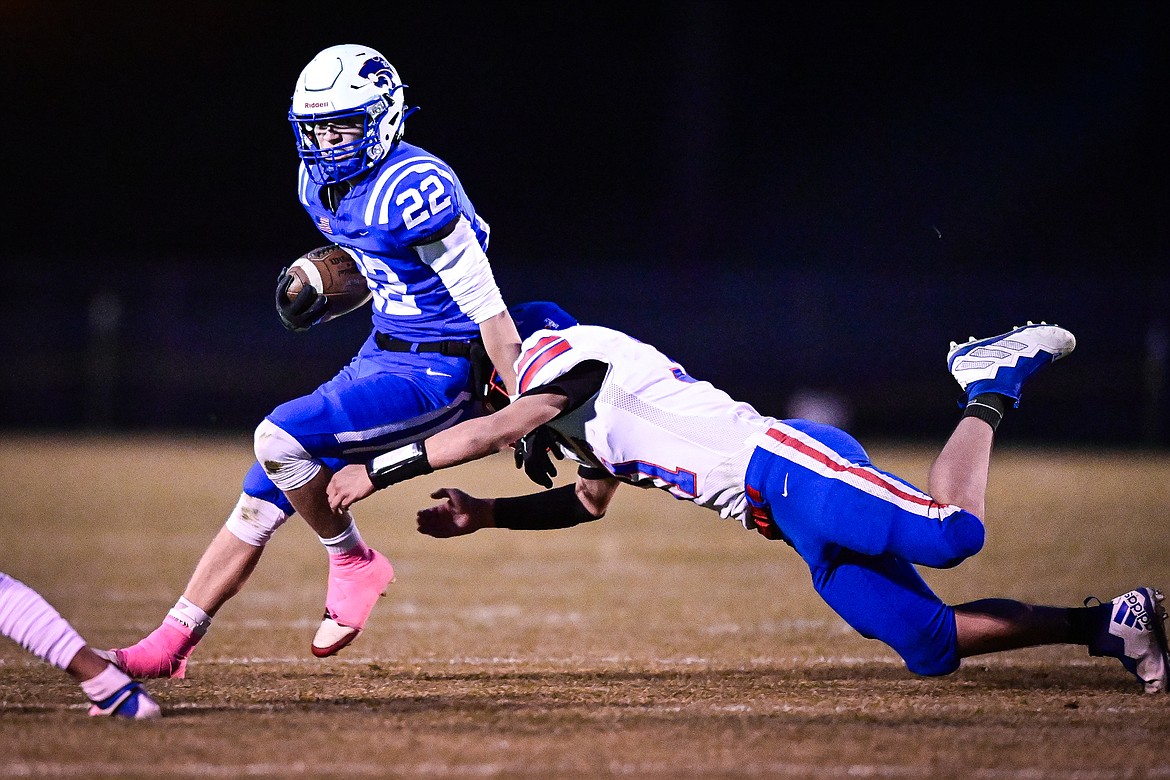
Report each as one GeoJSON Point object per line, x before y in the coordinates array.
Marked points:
{"type": "Point", "coordinates": [463, 267]}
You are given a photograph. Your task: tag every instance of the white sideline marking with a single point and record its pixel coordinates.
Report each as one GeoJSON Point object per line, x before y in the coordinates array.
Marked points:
{"type": "Point", "coordinates": [440, 769]}
{"type": "Point", "coordinates": [569, 661]}
{"type": "Point", "coordinates": [105, 769]}
{"type": "Point", "coordinates": [576, 661]}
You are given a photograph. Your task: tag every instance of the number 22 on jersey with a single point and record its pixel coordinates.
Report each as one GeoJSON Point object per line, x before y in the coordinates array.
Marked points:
{"type": "Point", "coordinates": [419, 205]}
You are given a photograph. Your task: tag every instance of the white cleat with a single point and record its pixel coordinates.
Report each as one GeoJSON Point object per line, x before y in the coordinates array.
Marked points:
{"type": "Point", "coordinates": [130, 702]}
{"type": "Point", "coordinates": [1001, 364]}
{"type": "Point", "coordinates": [1134, 632]}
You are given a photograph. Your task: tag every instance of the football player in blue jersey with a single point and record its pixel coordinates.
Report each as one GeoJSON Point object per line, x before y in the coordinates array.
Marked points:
{"type": "Point", "coordinates": [403, 215]}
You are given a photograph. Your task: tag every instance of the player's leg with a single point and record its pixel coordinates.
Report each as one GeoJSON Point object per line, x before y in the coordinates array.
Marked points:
{"type": "Point", "coordinates": [358, 574]}
{"type": "Point", "coordinates": [874, 512]}
{"type": "Point", "coordinates": [29, 620]}
{"type": "Point", "coordinates": [381, 404]}
{"type": "Point", "coordinates": [884, 598]}
{"type": "Point", "coordinates": [992, 373]}
{"type": "Point", "coordinates": [1130, 628]}
{"type": "Point", "coordinates": [225, 565]}
{"type": "Point", "coordinates": [221, 572]}
{"type": "Point", "coordinates": [958, 476]}
{"type": "Point", "coordinates": [262, 508]}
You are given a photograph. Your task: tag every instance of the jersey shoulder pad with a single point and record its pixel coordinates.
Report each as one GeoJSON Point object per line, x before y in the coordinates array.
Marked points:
{"type": "Point", "coordinates": [413, 194]}
{"type": "Point", "coordinates": [544, 356]}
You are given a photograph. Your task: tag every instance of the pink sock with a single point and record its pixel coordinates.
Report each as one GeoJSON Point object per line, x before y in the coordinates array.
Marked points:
{"type": "Point", "coordinates": [163, 653]}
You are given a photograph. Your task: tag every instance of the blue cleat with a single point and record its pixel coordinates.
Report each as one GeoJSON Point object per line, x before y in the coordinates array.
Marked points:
{"type": "Point", "coordinates": [1134, 632]}
{"type": "Point", "coordinates": [131, 701]}
{"type": "Point", "coordinates": [1001, 364]}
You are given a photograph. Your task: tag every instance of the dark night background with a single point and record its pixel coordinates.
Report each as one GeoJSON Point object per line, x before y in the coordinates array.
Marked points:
{"type": "Point", "coordinates": [789, 201]}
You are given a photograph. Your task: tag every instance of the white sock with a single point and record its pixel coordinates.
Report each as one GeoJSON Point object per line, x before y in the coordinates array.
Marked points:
{"type": "Point", "coordinates": [347, 541]}
{"type": "Point", "coordinates": [191, 616]}
{"type": "Point", "coordinates": [105, 685]}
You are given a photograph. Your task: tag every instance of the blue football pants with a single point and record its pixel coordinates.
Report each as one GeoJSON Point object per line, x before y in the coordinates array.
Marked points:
{"type": "Point", "coordinates": [861, 531]}
{"type": "Point", "coordinates": [380, 401]}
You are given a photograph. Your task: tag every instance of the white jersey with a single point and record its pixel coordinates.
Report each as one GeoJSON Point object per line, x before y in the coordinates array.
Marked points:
{"type": "Point", "coordinates": [650, 423]}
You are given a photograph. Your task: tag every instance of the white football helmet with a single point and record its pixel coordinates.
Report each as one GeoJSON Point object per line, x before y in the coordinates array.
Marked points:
{"type": "Point", "coordinates": [347, 82]}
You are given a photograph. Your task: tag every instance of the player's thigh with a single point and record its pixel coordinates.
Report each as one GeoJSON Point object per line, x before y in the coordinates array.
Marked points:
{"type": "Point", "coordinates": [354, 417]}
{"type": "Point", "coordinates": [837, 497]}
{"type": "Point", "coordinates": [874, 513]}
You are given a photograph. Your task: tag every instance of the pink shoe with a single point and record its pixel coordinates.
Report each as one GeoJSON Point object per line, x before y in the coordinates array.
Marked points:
{"type": "Point", "coordinates": [355, 583]}
{"type": "Point", "coordinates": [162, 653]}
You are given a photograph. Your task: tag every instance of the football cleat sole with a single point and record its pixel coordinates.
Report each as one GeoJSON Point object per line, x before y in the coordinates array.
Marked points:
{"type": "Point", "coordinates": [1158, 628]}
{"type": "Point", "coordinates": [332, 637]}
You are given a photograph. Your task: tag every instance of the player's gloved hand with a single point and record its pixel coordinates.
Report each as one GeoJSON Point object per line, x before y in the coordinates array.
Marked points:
{"type": "Point", "coordinates": [303, 311]}
{"type": "Point", "coordinates": [533, 455]}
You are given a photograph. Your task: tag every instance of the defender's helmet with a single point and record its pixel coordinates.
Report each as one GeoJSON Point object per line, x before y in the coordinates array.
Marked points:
{"type": "Point", "coordinates": [347, 82]}
{"type": "Point", "coordinates": [540, 315]}
{"type": "Point", "coordinates": [529, 318]}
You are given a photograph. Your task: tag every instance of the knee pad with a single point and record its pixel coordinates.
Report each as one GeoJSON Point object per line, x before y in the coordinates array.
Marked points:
{"type": "Point", "coordinates": [258, 485]}
{"type": "Point", "coordinates": [282, 457]}
{"type": "Point", "coordinates": [254, 520]}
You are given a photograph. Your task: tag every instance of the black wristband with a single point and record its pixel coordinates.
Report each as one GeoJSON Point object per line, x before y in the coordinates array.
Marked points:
{"type": "Point", "coordinates": [556, 508]}
{"type": "Point", "coordinates": [399, 465]}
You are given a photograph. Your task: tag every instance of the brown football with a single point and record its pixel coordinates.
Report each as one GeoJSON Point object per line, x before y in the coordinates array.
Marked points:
{"type": "Point", "coordinates": [334, 272]}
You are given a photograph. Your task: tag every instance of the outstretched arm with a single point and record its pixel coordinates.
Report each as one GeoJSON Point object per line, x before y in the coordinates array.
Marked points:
{"type": "Point", "coordinates": [502, 343]}
{"type": "Point", "coordinates": [460, 514]}
{"type": "Point", "coordinates": [469, 440]}
{"type": "Point", "coordinates": [475, 438]}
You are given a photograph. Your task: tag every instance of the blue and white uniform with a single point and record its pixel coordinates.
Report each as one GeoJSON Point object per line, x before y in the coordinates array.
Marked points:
{"type": "Point", "coordinates": [399, 206]}
{"type": "Point", "coordinates": [859, 529]}
{"type": "Point", "coordinates": [424, 289]}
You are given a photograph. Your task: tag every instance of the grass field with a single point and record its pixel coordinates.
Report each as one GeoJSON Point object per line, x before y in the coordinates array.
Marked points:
{"type": "Point", "coordinates": [660, 642]}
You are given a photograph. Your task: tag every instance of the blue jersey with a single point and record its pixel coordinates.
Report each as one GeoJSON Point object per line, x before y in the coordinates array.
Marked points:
{"type": "Point", "coordinates": [406, 200]}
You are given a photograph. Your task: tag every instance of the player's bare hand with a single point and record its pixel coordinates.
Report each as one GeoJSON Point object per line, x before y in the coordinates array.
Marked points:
{"type": "Point", "coordinates": [348, 486]}
{"type": "Point", "coordinates": [458, 515]}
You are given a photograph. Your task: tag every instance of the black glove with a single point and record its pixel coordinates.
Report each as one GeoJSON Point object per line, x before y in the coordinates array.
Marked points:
{"type": "Point", "coordinates": [532, 455]}
{"type": "Point", "coordinates": [303, 311]}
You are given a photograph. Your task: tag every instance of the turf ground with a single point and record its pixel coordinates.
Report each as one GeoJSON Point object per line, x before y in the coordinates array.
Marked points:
{"type": "Point", "coordinates": [660, 642]}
